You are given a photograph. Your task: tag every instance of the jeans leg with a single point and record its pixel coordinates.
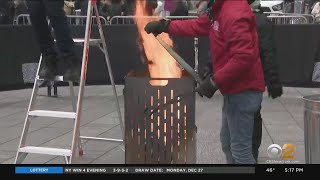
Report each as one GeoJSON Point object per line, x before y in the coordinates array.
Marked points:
{"type": "Point", "coordinates": [40, 25]}
{"type": "Point", "coordinates": [240, 117]}
{"type": "Point", "coordinates": [60, 25]}
{"type": "Point", "coordinates": [224, 133]}
{"type": "Point", "coordinates": [257, 134]}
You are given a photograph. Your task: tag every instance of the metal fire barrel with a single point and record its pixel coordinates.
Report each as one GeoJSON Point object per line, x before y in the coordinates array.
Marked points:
{"type": "Point", "coordinates": [312, 128]}
{"type": "Point", "coordinates": [159, 127]}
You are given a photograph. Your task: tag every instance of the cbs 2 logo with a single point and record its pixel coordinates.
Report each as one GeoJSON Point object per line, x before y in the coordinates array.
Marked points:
{"type": "Point", "coordinates": [286, 152]}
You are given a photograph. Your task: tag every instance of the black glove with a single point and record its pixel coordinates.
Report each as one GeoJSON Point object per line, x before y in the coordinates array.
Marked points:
{"type": "Point", "coordinates": [157, 27]}
{"type": "Point", "coordinates": [207, 87]}
{"type": "Point", "coordinates": [275, 89]}
{"type": "Point", "coordinates": [207, 71]}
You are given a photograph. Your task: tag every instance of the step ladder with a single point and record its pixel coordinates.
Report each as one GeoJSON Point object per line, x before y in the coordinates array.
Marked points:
{"type": "Point", "coordinates": [76, 147]}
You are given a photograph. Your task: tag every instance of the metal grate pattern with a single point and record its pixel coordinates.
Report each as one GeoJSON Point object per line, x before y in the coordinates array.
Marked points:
{"type": "Point", "coordinates": [157, 131]}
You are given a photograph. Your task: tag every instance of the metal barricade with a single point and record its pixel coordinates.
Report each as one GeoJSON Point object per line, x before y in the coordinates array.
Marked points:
{"type": "Point", "coordinates": [131, 19]}
{"type": "Point", "coordinates": [317, 20]}
{"type": "Point", "coordinates": [310, 18]}
{"type": "Point", "coordinates": [81, 20]}
{"type": "Point", "coordinates": [181, 17]}
{"type": "Point", "coordinates": [288, 19]}
{"type": "Point", "coordinates": [272, 13]}
{"type": "Point", "coordinates": [24, 19]}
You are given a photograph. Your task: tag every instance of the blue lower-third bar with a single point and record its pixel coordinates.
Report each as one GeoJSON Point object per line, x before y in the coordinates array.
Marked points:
{"type": "Point", "coordinates": [39, 170]}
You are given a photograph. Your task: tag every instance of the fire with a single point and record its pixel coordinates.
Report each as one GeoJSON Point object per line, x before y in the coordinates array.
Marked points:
{"type": "Point", "coordinates": [162, 63]}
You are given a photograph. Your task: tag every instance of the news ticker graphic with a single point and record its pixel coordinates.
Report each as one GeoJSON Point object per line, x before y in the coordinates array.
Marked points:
{"type": "Point", "coordinates": [196, 169]}
{"type": "Point", "coordinates": [133, 170]}
{"type": "Point", "coordinates": [39, 170]}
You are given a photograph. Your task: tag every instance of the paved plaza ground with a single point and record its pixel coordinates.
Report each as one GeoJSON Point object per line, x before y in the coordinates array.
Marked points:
{"type": "Point", "coordinates": [283, 122]}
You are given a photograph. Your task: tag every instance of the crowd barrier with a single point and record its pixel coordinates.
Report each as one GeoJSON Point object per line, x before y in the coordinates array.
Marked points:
{"type": "Point", "coordinates": [297, 50]}
{"type": "Point", "coordinates": [131, 19]}
{"type": "Point", "coordinates": [24, 19]}
{"type": "Point", "coordinates": [288, 19]}
{"type": "Point", "coordinates": [275, 17]}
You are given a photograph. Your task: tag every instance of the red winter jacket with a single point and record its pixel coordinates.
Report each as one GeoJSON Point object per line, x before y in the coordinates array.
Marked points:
{"type": "Point", "coordinates": [233, 45]}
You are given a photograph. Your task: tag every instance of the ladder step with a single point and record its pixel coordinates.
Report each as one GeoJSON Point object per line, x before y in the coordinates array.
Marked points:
{"type": "Point", "coordinates": [56, 78]}
{"type": "Point", "coordinates": [57, 114]}
{"type": "Point", "coordinates": [92, 42]}
{"type": "Point", "coordinates": [45, 150]}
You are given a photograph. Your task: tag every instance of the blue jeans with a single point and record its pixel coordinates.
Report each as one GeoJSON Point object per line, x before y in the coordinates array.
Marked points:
{"type": "Point", "coordinates": [237, 126]}
{"type": "Point", "coordinates": [39, 10]}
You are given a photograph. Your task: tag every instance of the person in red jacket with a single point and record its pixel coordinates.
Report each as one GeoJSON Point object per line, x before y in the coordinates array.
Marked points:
{"type": "Point", "coordinates": [231, 28]}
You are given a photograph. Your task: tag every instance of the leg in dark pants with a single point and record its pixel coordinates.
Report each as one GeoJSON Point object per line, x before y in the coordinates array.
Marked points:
{"type": "Point", "coordinates": [257, 134]}
{"type": "Point", "coordinates": [40, 26]}
{"type": "Point", "coordinates": [60, 25]}
{"type": "Point", "coordinates": [39, 10]}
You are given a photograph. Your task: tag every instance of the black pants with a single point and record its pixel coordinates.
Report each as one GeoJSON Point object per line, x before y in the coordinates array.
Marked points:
{"type": "Point", "coordinates": [257, 134]}
{"type": "Point", "coordinates": [53, 9]}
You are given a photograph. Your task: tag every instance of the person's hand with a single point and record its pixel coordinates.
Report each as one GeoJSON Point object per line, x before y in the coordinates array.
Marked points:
{"type": "Point", "coordinates": [157, 27]}
{"type": "Point", "coordinates": [275, 89]}
{"type": "Point", "coordinates": [207, 87]}
{"type": "Point", "coordinates": [207, 71]}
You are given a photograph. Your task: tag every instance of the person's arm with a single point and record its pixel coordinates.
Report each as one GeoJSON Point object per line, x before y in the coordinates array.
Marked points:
{"type": "Point", "coordinates": [193, 27]}
{"type": "Point", "coordinates": [267, 49]}
{"type": "Point", "coordinates": [241, 49]}
{"type": "Point", "coordinates": [267, 54]}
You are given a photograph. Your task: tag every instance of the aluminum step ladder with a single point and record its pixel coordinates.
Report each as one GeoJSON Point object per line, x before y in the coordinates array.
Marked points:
{"type": "Point", "coordinates": [76, 147]}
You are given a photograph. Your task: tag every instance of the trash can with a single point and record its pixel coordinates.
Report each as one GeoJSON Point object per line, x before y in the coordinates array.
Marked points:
{"type": "Point", "coordinates": [159, 128]}
{"type": "Point", "coordinates": [312, 128]}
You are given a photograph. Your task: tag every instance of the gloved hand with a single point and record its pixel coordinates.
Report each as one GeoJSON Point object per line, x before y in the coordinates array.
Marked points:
{"type": "Point", "coordinates": [207, 87]}
{"type": "Point", "coordinates": [157, 27]}
{"type": "Point", "coordinates": [207, 70]}
{"type": "Point", "coordinates": [275, 89]}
